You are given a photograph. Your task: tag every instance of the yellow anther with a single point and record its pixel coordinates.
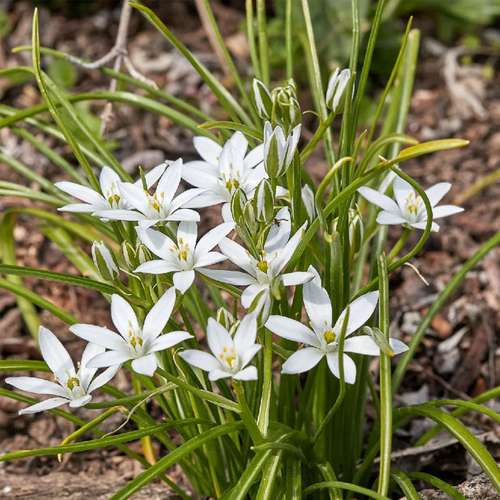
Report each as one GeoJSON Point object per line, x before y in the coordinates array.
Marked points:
{"type": "Point", "coordinates": [413, 203]}
{"type": "Point", "coordinates": [135, 341]}
{"type": "Point", "coordinates": [329, 336]}
{"type": "Point", "coordinates": [114, 199]}
{"type": "Point", "coordinates": [72, 383]}
{"type": "Point", "coordinates": [263, 265]}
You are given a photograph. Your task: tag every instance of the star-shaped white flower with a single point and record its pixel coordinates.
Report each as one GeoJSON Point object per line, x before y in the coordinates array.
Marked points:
{"type": "Point", "coordinates": [110, 197]}
{"type": "Point", "coordinates": [135, 343]}
{"type": "Point", "coordinates": [160, 206]}
{"type": "Point", "coordinates": [409, 208]}
{"type": "Point", "coordinates": [322, 338]}
{"type": "Point", "coordinates": [185, 255]}
{"type": "Point", "coordinates": [230, 356]}
{"type": "Point", "coordinates": [261, 274]}
{"type": "Point", "coordinates": [223, 170]}
{"type": "Point", "coordinates": [71, 386]}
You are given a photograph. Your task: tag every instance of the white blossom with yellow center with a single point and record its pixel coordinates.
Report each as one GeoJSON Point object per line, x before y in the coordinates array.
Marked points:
{"type": "Point", "coordinates": [409, 208]}
{"type": "Point", "coordinates": [70, 386]}
{"type": "Point", "coordinates": [185, 255]}
{"type": "Point", "coordinates": [322, 338]}
{"type": "Point", "coordinates": [230, 355]}
{"type": "Point", "coordinates": [133, 342]}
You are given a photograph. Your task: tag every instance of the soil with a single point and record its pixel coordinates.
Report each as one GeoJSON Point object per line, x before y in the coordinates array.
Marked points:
{"type": "Point", "coordinates": [460, 355]}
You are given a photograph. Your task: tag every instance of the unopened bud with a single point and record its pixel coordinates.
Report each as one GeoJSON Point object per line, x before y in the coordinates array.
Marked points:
{"type": "Point", "coordinates": [262, 99]}
{"type": "Point", "coordinates": [225, 318]}
{"type": "Point", "coordinates": [307, 196]}
{"type": "Point", "coordinates": [286, 107]}
{"type": "Point", "coordinates": [249, 218]}
{"type": "Point", "coordinates": [279, 150]}
{"type": "Point", "coordinates": [238, 202]}
{"type": "Point", "coordinates": [104, 261]}
{"type": "Point", "coordinates": [336, 87]}
{"type": "Point", "coordinates": [263, 202]}
{"type": "Point", "coordinates": [143, 254]}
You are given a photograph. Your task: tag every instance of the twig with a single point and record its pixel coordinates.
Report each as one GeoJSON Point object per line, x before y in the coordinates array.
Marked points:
{"type": "Point", "coordinates": [118, 53]}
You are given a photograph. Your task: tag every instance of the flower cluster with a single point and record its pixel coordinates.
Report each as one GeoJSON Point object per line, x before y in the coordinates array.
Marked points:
{"type": "Point", "coordinates": [258, 236]}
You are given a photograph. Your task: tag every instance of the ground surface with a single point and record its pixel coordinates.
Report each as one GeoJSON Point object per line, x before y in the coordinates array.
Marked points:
{"type": "Point", "coordinates": [460, 355]}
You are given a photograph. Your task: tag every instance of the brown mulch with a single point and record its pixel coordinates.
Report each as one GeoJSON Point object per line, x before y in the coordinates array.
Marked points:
{"type": "Point", "coordinates": [460, 355]}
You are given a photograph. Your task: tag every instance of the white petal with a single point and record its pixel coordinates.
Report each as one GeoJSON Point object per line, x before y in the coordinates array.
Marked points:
{"type": "Point", "coordinates": [77, 403]}
{"type": "Point", "coordinates": [213, 237]}
{"type": "Point", "coordinates": [208, 149]}
{"type": "Point", "coordinates": [206, 199]}
{"type": "Point", "coordinates": [423, 224]}
{"type": "Point", "coordinates": [54, 353]}
{"type": "Point", "coordinates": [255, 156]}
{"type": "Point", "coordinates": [107, 178]}
{"type": "Point", "coordinates": [169, 181]}
{"type": "Point", "coordinates": [237, 255]}
{"type": "Point", "coordinates": [246, 333]}
{"type": "Point", "coordinates": [83, 193]}
{"type": "Point", "coordinates": [317, 303]}
{"type": "Point", "coordinates": [157, 267]}
{"type": "Point", "coordinates": [292, 330]}
{"type": "Point", "coordinates": [200, 175]}
{"type": "Point", "coordinates": [437, 192]}
{"type": "Point", "coordinates": [249, 354]}
{"type": "Point", "coordinates": [184, 214]}
{"type": "Point", "coordinates": [360, 311]}
{"type": "Point", "coordinates": [156, 241]}
{"type": "Point", "coordinates": [200, 359]}
{"type": "Point", "coordinates": [36, 385]}
{"type": "Point", "coordinates": [296, 278]}
{"type": "Point", "coordinates": [86, 374]}
{"type": "Point", "coordinates": [78, 208]}
{"type": "Point", "coordinates": [98, 335]}
{"type": "Point", "coordinates": [168, 340]}
{"type": "Point", "coordinates": [123, 316]}
{"type": "Point", "coordinates": [332, 359]}
{"type": "Point", "coordinates": [136, 196]}
{"type": "Point", "coordinates": [250, 293]}
{"type": "Point", "coordinates": [48, 404]}
{"type": "Point", "coordinates": [398, 347]}
{"type": "Point", "coordinates": [183, 280]}
{"type": "Point", "coordinates": [109, 358]}
{"type": "Point", "coordinates": [379, 199]}
{"type": "Point", "coordinates": [187, 233]}
{"type": "Point", "coordinates": [231, 277]}
{"type": "Point", "coordinates": [217, 375]}
{"type": "Point", "coordinates": [119, 214]}
{"type": "Point", "coordinates": [279, 233]}
{"type": "Point", "coordinates": [217, 337]}
{"type": "Point", "coordinates": [209, 259]}
{"type": "Point", "coordinates": [159, 314]}
{"type": "Point", "coordinates": [248, 373]}
{"type": "Point", "coordinates": [445, 210]}
{"type": "Point", "coordinates": [362, 344]}
{"type": "Point", "coordinates": [145, 365]}
{"type": "Point", "coordinates": [281, 261]}
{"type": "Point", "coordinates": [390, 218]}
{"type": "Point", "coordinates": [103, 378]}
{"type": "Point", "coordinates": [154, 174]}
{"type": "Point", "coordinates": [401, 191]}
{"type": "Point", "coordinates": [302, 360]}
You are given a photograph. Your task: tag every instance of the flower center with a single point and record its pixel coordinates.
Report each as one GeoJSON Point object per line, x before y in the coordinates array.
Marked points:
{"type": "Point", "coordinates": [263, 265]}
{"type": "Point", "coordinates": [72, 383]}
{"type": "Point", "coordinates": [229, 357]}
{"type": "Point", "coordinates": [135, 339]}
{"type": "Point", "coordinates": [114, 200]}
{"type": "Point", "coordinates": [232, 184]}
{"type": "Point", "coordinates": [413, 203]}
{"type": "Point", "coordinates": [156, 201]}
{"type": "Point", "coordinates": [329, 336]}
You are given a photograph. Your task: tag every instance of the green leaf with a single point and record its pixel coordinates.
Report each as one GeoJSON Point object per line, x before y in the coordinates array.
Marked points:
{"type": "Point", "coordinates": [173, 457]}
{"type": "Point", "coordinates": [62, 72]}
{"type": "Point", "coordinates": [439, 484]}
{"type": "Point", "coordinates": [405, 485]}
{"type": "Point", "coordinates": [459, 431]}
{"type": "Point", "coordinates": [343, 486]}
{"type": "Point", "coordinates": [226, 125]}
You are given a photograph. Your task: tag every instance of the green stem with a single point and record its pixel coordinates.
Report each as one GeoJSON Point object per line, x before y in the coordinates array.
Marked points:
{"type": "Point", "coordinates": [246, 413]}
{"type": "Point", "coordinates": [263, 44]}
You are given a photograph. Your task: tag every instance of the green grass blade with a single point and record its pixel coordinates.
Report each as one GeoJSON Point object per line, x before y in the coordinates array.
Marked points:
{"type": "Point", "coordinates": [439, 484]}
{"type": "Point", "coordinates": [405, 485]}
{"type": "Point", "coordinates": [343, 486]}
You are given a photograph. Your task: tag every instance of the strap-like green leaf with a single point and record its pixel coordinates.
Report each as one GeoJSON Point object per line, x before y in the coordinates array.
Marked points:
{"type": "Point", "coordinates": [439, 484]}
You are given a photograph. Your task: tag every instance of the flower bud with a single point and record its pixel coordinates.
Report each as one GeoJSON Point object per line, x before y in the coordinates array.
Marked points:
{"type": "Point", "coordinates": [104, 261]}
{"type": "Point", "coordinates": [286, 107]}
{"type": "Point", "coordinates": [356, 230]}
{"type": "Point", "coordinates": [379, 339]}
{"type": "Point", "coordinates": [238, 201]}
{"type": "Point", "coordinates": [262, 99]}
{"type": "Point", "coordinates": [307, 196]}
{"type": "Point", "coordinates": [225, 318]}
{"type": "Point", "coordinates": [336, 87]}
{"type": "Point", "coordinates": [129, 255]}
{"type": "Point", "coordinates": [263, 202]}
{"type": "Point", "coordinates": [279, 150]}
{"type": "Point", "coordinates": [249, 218]}
{"type": "Point", "coordinates": [143, 254]}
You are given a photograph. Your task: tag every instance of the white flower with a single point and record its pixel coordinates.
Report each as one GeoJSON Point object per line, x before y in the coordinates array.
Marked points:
{"type": "Point", "coordinates": [184, 256]}
{"type": "Point", "coordinates": [336, 87]}
{"type": "Point", "coordinates": [262, 274]}
{"type": "Point", "coordinates": [223, 170]}
{"type": "Point", "coordinates": [409, 207]}
{"type": "Point", "coordinates": [71, 386]}
{"type": "Point", "coordinates": [278, 149]}
{"type": "Point", "coordinates": [262, 98]}
{"type": "Point", "coordinates": [110, 197]}
{"type": "Point", "coordinates": [160, 206]}
{"type": "Point", "coordinates": [322, 338]}
{"type": "Point", "coordinates": [134, 342]}
{"type": "Point", "coordinates": [230, 355]}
